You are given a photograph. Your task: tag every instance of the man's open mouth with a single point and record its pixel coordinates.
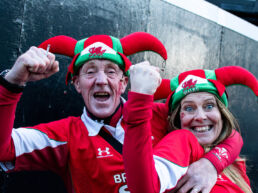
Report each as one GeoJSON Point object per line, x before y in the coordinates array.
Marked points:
{"type": "Point", "coordinates": [102, 96]}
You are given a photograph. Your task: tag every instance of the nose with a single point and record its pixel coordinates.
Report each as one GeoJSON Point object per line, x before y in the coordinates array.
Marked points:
{"type": "Point", "coordinates": [200, 115]}
{"type": "Point", "coordinates": [101, 78]}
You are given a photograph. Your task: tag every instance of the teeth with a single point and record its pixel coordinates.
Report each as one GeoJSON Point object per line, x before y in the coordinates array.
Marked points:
{"type": "Point", "coordinates": [202, 129]}
{"type": "Point", "coordinates": [101, 94]}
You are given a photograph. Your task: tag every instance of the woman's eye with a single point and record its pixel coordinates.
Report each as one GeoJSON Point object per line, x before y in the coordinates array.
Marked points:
{"type": "Point", "coordinates": [209, 106]}
{"type": "Point", "coordinates": [188, 108]}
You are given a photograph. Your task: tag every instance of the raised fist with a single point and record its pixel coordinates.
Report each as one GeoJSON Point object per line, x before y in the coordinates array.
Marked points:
{"type": "Point", "coordinates": [33, 65]}
{"type": "Point", "coordinates": [144, 78]}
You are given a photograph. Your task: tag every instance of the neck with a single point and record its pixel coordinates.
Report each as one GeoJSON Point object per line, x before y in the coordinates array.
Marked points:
{"type": "Point", "coordinates": [112, 119]}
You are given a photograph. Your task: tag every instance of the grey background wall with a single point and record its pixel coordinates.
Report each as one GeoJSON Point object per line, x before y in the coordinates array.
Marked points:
{"type": "Point", "coordinates": [192, 42]}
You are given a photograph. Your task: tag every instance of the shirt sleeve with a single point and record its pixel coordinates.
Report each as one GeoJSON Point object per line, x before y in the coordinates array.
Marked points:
{"type": "Point", "coordinates": [8, 103]}
{"type": "Point", "coordinates": [225, 153]}
{"type": "Point", "coordinates": [137, 150]}
{"type": "Point", "coordinates": [159, 122]}
{"type": "Point", "coordinates": [41, 147]}
{"type": "Point", "coordinates": [173, 154]}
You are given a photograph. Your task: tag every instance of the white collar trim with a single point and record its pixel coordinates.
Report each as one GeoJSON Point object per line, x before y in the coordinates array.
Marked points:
{"type": "Point", "coordinates": [94, 127]}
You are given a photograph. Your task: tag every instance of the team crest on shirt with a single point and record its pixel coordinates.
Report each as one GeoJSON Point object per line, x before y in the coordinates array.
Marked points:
{"type": "Point", "coordinates": [103, 152]}
{"type": "Point", "coordinates": [221, 153]}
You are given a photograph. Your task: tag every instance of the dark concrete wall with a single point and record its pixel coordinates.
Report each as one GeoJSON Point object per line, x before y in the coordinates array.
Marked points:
{"type": "Point", "coordinates": [191, 41]}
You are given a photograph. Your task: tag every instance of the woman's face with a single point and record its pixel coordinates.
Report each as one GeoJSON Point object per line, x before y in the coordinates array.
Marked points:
{"type": "Point", "coordinates": [200, 114]}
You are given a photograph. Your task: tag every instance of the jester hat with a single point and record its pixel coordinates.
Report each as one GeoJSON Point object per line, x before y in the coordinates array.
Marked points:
{"type": "Point", "coordinates": [212, 81]}
{"type": "Point", "coordinates": [103, 47]}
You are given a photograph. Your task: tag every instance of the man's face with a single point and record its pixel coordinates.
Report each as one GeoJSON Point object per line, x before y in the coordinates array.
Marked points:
{"type": "Point", "coordinates": [101, 83]}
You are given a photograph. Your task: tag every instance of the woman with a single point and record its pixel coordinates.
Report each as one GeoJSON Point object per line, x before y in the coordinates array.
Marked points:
{"type": "Point", "coordinates": [198, 105]}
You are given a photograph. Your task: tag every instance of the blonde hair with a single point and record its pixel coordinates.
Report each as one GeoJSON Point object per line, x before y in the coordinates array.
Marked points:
{"type": "Point", "coordinates": [233, 173]}
{"type": "Point", "coordinates": [229, 124]}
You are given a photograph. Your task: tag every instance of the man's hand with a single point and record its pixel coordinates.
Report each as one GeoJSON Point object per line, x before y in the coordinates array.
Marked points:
{"type": "Point", "coordinates": [33, 65]}
{"type": "Point", "coordinates": [200, 177]}
{"type": "Point", "coordinates": [144, 78]}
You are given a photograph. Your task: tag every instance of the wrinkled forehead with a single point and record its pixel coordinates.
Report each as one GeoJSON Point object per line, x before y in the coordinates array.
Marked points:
{"type": "Point", "coordinates": [100, 64]}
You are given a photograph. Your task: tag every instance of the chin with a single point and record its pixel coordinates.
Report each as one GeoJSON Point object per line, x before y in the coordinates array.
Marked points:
{"type": "Point", "coordinates": [102, 114]}
{"type": "Point", "coordinates": [204, 142]}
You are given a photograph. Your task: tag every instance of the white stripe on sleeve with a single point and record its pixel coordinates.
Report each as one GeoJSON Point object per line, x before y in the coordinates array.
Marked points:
{"type": "Point", "coordinates": [168, 172]}
{"type": "Point", "coordinates": [27, 140]}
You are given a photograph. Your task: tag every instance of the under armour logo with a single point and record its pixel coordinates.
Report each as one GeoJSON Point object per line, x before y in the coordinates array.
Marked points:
{"type": "Point", "coordinates": [104, 153]}
{"type": "Point", "coordinates": [220, 178]}
{"type": "Point", "coordinates": [96, 51]}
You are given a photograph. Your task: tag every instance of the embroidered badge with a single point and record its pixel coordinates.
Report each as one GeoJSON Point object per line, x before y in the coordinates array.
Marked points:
{"type": "Point", "coordinates": [221, 153]}
{"type": "Point", "coordinates": [190, 84]}
{"type": "Point", "coordinates": [96, 51]}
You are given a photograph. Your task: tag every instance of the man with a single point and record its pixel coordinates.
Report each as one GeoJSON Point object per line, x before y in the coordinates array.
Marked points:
{"type": "Point", "coordinates": [85, 151]}
{"type": "Point", "coordinates": [76, 148]}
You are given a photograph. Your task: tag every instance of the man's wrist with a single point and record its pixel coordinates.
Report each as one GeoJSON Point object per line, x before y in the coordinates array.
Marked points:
{"type": "Point", "coordinates": [8, 85]}
{"type": "Point", "coordinates": [214, 161]}
{"type": "Point", "coordinates": [3, 73]}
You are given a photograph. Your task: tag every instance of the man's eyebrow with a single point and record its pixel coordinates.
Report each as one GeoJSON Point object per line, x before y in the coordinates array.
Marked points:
{"type": "Point", "coordinates": [91, 64]}
{"type": "Point", "coordinates": [111, 64]}
{"type": "Point", "coordinates": [115, 67]}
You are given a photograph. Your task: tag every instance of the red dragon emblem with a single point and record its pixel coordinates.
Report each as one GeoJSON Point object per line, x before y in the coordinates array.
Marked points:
{"type": "Point", "coordinates": [96, 51]}
{"type": "Point", "coordinates": [189, 84]}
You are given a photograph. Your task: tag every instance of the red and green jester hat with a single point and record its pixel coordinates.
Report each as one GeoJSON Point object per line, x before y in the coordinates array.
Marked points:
{"type": "Point", "coordinates": [212, 81]}
{"type": "Point", "coordinates": [103, 47]}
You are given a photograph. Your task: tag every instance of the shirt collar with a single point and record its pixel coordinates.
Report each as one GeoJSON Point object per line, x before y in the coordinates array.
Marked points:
{"type": "Point", "coordinates": [94, 126]}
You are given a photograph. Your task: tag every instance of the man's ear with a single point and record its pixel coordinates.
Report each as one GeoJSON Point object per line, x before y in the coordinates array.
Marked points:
{"type": "Point", "coordinates": [124, 83]}
{"type": "Point", "coordinates": [76, 84]}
